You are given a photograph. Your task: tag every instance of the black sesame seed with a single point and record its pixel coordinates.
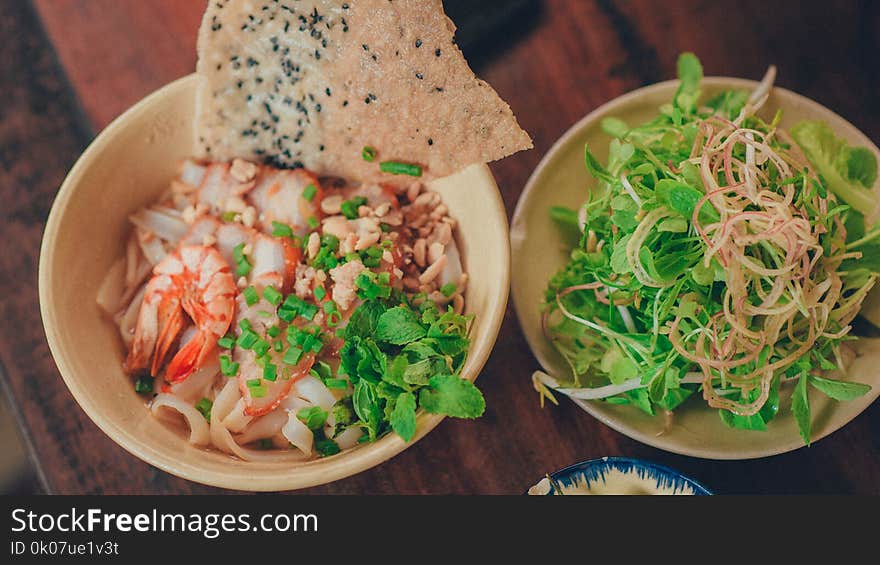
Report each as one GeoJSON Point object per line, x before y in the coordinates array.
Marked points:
{"type": "Point", "coordinates": [345, 6]}
{"type": "Point", "coordinates": [437, 52]}
{"type": "Point", "coordinates": [418, 43]}
{"type": "Point", "coordinates": [344, 103]}
{"type": "Point", "coordinates": [366, 48]}
{"type": "Point", "coordinates": [317, 107]}
{"type": "Point", "coordinates": [328, 91]}
{"type": "Point", "coordinates": [420, 76]}
{"type": "Point", "coordinates": [367, 100]}
{"type": "Point", "coordinates": [430, 141]}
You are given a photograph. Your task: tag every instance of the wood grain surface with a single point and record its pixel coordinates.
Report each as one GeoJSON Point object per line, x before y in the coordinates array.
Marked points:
{"type": "Point", "coordinates": [68, 67]}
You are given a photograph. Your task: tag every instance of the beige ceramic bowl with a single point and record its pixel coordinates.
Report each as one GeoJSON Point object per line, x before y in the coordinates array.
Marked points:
{"type": "Point", "coordinates": [125, 168]}
{"type": "Point", "coordinates": [538, 252]}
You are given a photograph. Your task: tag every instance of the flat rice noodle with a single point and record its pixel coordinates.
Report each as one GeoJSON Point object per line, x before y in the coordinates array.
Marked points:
{"type": "Point", "coordinates": [199, 431]}
{"type": "Point", "coordinates": [129, 317]}
{"type": "Point", "coordinates": [223, 440]}
{"type": "Point", "coordinates": [111, 289]}
{"type": "Point", "coordinates": [349, 438]}
{"type": "Point", "coordinates": [298, 434]}
{"type": "Point", "coordinates": [166, 223]}
{"type": "Point", "coordinates": [263, 427]}
{"type": "Point", "coordinates": [322, 79]}
{"type": "Point", "coordinates": [315, 392]}
{"type": "Point", "coordinates": [198, 385]}
{"type": "Point", "coordinates": [151, 246]}
{"type": "Point", "coordinates": [236, 420]}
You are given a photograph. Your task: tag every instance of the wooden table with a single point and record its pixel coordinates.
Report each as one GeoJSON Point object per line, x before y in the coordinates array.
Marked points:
{"type": "Point", "coordinates": [68, 67]}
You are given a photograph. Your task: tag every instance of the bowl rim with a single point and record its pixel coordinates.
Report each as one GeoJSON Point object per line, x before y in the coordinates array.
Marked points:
{"type": "Point", "coordinates": [613, 460]}
{"type": "Point", "coordinates": [619, 424]}
{"type": "Point", "coordinates": [340, 466]}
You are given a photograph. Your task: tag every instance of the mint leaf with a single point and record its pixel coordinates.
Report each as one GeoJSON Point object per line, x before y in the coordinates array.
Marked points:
{"type": "Point", "coordinates": [800, 407]}
{"type": "Point", "coordinates": [403, 419]}
{"type": "Point", "coordinates": [366, 406]}
{"type": "Point", "coordinates": [453, 396]}
{"type": "Point", "coordinates": [839, 390]}
{"type": "Point", "coordinates": [399, 326]}
{"type": "Point", "coordinates": [419, 372]}
{"type": "Point", "coordinates": [364, 319]}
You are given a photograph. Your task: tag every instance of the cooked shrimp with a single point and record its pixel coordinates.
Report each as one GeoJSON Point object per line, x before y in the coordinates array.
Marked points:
{"type": "Point", "coordinates": [280, 196]}
{"type": "Point", "coordinates": [218, 186]}
{"type": "Point", "coordinates": [269, 269]}
{"type": "Point", "coordinates": [195, 280]}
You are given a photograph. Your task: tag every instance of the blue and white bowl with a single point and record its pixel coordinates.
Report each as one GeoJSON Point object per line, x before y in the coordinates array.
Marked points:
{"type": "Point", "coordinates": [617, 475]}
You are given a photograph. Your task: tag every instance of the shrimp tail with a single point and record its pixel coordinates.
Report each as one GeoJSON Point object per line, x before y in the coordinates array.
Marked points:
{"type": "Point", "coordinates": [170, 328]}
{"type": "Point", "coordinates": [190, 357]}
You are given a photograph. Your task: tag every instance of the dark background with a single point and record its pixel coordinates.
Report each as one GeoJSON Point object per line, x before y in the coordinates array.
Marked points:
{"type": "Point", "coordinates": [68, 67]}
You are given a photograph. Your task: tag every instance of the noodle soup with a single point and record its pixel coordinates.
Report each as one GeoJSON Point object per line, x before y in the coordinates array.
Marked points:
{"type": "Point", "coordinates": [276, 314]}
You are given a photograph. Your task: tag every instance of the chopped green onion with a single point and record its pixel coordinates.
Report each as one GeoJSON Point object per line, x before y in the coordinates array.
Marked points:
{"type": "Point", "coordinates": [309, 192]}
{"type": "Point", "coordinates": [398, 168]}
{"type": "Point", "coordinates": [320, 293]}
{"type": "Point", "coordinates": [253, 382]}
{"type": "Point", "coordinates": [384, 278]}
{"type": "Point", "coordinates": [261, 347]}
{"type": "Point", "coordinates": [226, 342]}
{"type": "Point", "coordinates": [286, 314]}
{"type": "Point", "coordinates": [448, 289]}
{"type": "Point", "coordinates": [143, 385]}
{"type": "Point", "coordinates": [385, 227]}
{"type": "Point", "coordinates": [204, 406]}
{"type": "Point", "coordinates": [247, 339]}
{"type": "Point", "coordinates": [293, 355]}
{"type": "Point", "coordinates": [333, 319]}
{"type": "Point", "coordinates": [313, 417]}
{"type": "Point", "coordinates": [278, 346]}
{"type": "Point", "coordinates": [273, 331]}
{"type": "Point", "coordinates": [228, 216]}
{"type": "Point", "coordinates": [330, 241]}
{"type": "Point", "coordinates": [245, 324]}
{"type": "Point", "coordinates": [368, 153]}
{"type": "Point", "coordinates": [257, 391]}
{"type": "Point", "coordinates": [313, 222]}
{"type": "Point", "coordinates": [242, 265]}
{"type": "Point", "coordinates": [250, 295]}
{"type": "Point", "coordinates": [272, 296]}
{"type": "Point", "coordinates": [336, 383]}
{"type": "Point", "coordinates": [281, 230]}
{"type": "Point", "coordinates": [227, 366]}
{"type": "Point", "coordinates": [270, 372]}
{"type": "Point", "coordinates": [349, 208]}
{"type": "Point", "coordinates": [329, 306]}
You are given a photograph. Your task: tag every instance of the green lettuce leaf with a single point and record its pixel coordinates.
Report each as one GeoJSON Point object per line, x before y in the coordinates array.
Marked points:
{"type": "Point", "coordinates": [849, 172]}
